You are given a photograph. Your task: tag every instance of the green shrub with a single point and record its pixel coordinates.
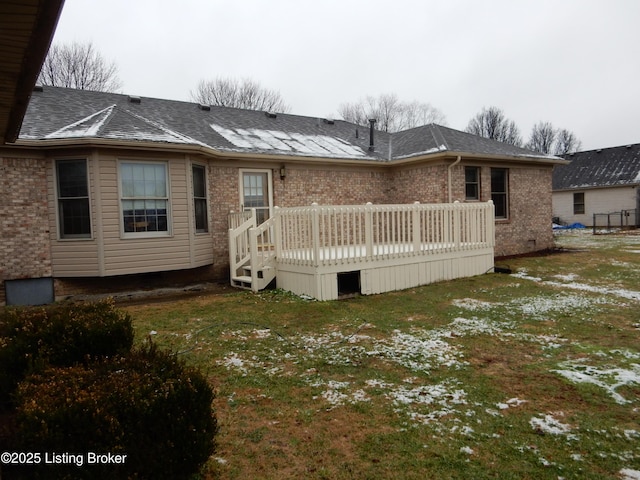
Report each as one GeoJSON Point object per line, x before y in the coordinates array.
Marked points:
{"type": "Point", "coordinates": [147, 405]}
{"type": "Point", "coordinates": [59, 335]}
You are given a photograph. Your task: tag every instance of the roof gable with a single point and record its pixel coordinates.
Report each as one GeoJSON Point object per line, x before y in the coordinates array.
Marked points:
{"type": "Point", "coordinates": [606, 167]}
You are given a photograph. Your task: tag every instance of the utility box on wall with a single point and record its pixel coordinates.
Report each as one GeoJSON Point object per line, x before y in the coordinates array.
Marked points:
{"type": "Point", "coordinates": [30, 291]}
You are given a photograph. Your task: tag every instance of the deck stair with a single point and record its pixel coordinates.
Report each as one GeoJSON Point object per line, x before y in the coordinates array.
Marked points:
{"type": "Point", "coordinates": [251, 253]}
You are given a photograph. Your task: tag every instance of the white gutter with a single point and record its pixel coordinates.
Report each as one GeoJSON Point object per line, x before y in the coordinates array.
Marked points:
{"type": "Point", "coordinates": [212, 152]}
{"type": "Point", "coordinates": [449, 169]}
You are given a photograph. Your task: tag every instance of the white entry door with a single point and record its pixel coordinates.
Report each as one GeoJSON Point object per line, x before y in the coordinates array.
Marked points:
{"type": "Point", "coordinates": [256, 192]}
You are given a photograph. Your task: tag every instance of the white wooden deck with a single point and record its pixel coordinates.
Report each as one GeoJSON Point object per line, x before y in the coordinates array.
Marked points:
{"type": "Point", "coordinates": [320, 251]}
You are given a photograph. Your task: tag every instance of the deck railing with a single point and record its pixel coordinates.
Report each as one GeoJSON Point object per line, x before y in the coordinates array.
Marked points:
{"type": "Point", "coordinates": [331, 235]}
{"type": "Point", "coordinates": [327, 236]}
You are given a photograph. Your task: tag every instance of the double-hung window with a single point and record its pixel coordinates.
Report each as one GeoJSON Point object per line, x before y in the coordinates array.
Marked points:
{"type": "Point", "coordinates": [500, 192]}
{"type": "Point", "coordinates": [144, 197]}
{"type": "Point", "coordinates": [472, 183]}
{"type": "Point", "coordinates": [73, 199]}
{"type": "Point", "coordinates": [200, 198]}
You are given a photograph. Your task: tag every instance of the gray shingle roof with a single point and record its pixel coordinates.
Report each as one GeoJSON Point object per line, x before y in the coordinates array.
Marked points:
{"type": "Point", "coordinates": [606, 167]}
{"type": "Point", "coordinates": [436, 137]}
{"type": "Point", "coordinates": [60, 113]}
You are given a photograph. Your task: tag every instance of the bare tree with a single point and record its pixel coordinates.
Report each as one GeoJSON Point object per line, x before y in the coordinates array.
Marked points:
{"type": "Point", "coordinates": [79, 65]}
{"type": "Point", "coordinates": [418, 113]}
{"type": "Point", "coordinates": [245, 93]}
{"type": "Point", "coordinates": [566, 142]}
{"type": "Point", "coordinates": [543, 138]}
{"type": "Point", "coordinates": [391, 113]}
{"type": "Point", "coordinates": [551, 141]}
{"type": "Point", "coordinates": [492, 123]}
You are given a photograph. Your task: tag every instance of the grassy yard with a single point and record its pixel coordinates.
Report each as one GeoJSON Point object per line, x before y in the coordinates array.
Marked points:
{"type": "Point", "coordinates": [530, 375]}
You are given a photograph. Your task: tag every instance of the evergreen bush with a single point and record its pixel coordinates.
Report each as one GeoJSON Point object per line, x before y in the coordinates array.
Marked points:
{"type": "Point", "coordinates": [60, 335]}
{"type": "Point", "coordinates": [146, 405]}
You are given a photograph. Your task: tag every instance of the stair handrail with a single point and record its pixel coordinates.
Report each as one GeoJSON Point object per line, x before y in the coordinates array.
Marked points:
{"type": "Point", "coordinates": [239, 243]}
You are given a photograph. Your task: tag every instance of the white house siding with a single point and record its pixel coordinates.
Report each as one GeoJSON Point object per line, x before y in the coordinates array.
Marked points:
{"type": "Point", "coordinates": [78, 257]}
{"type": "Point", "coordinates": [109, 252]}
{"type": "Point", "coordinates": [597, 200]}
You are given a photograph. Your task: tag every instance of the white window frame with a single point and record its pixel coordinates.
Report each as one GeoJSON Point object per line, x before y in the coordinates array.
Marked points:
{"type": "Point", "coordinates": [204, 231]}
{"type": "Point", "coordinates": [71, 237]}
{"type": "Point", "coordinates": [478, 171]}
{"type": "Point", "coordinates": [153, 234]}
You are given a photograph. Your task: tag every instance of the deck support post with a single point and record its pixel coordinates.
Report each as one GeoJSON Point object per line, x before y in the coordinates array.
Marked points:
{"type": "Point", "coordinates": [277, 233]}
{"type": "Point", "coordinates": [315, 233]}
{"type": "Point", "coordinates": [416, 230]}
{"type": "Point", "coordinates": [368, 230]}
{"type": "Point", "coordinates": [457, 224]}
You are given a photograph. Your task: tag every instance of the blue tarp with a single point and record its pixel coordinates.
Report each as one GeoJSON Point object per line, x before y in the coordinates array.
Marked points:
{"type": "Point", "coordinates": [568, 227]}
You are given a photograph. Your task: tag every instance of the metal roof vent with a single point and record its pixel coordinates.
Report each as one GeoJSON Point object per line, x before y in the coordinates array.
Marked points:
{"type": "Point", "coordinates": [372, 123]}
{"type": "Point", "coordinates": [134, 99]}
{"type": "Point", "coordinates": [329, 121]}
{"type": "Point", "coordinates": [205, 108]}
{"type": "Point", "coordinates": [271, 114]}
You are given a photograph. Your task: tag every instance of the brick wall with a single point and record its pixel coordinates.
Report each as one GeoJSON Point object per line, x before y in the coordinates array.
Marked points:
{"type": "Point", "coordinates": [224, 197]}
{"type": "Point", "coordinates": [303, 186]}
{"type": "Point", "coordinates": [528, 228]}
{"type": "Point", "coordinates": [425, 184]}
{"type": "Point", "coordinates": [24, 222]}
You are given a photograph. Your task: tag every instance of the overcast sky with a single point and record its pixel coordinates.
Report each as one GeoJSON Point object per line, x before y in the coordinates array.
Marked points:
{"type": "Point", "coordinates": [575, 63]}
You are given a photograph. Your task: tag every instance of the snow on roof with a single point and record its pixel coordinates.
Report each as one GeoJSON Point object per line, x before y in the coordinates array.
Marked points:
{"type": "Point", "coordinates": [144, 129]}
{"type": "Point", "coordinates": [288, 142]}
{"type": "Point", "coordinates": [167, 134]}
{"type": "Point", "coordinates": [86, 127]}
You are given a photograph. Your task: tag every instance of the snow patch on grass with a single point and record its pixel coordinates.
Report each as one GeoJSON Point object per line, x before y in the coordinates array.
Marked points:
{"type": "Point", "coordinates": [548, 424]}
{"type": "Point", "coordinates": [472, 304]}
{"type": "Point", "coordinates": [609, 379]}
{"type": "Point", "coordinates": [416, 353]}
{"type": "Point", "coordinates": [618, 292]}
{"type": "Point", "coordinates": [629, 474]}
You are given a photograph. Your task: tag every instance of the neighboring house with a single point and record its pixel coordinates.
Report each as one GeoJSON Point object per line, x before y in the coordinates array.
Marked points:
{"type": "Point", "coordinates": [598, 182]}
{"type": "Point", "coordinates": [103, 185]}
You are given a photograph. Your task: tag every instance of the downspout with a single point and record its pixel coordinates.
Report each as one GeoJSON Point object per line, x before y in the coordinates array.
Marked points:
{"type": "Point", "coordinates": [449, 177]}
